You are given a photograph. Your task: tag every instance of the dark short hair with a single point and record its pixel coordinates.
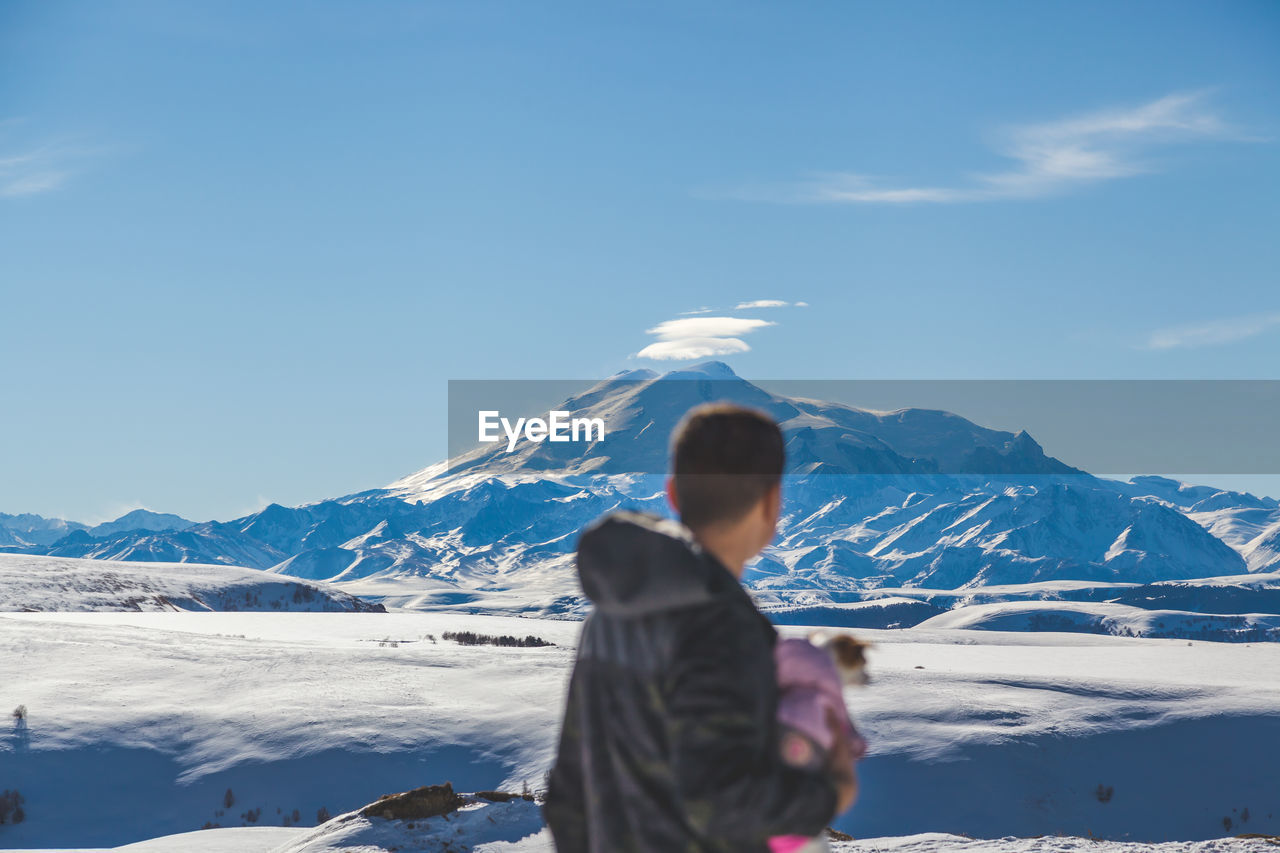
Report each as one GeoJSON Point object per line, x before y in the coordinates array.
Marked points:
{"type": "Point", "coordinates": [725, 458]}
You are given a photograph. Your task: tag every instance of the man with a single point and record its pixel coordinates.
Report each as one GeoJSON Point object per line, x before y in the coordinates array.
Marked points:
{"type": "Point", "coordinates": [670, 741]}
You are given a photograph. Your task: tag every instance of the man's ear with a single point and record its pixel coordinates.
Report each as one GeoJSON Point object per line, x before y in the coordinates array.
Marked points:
{"type": "Point", "coordinates": [671, 495]}
{"type": "Point", "coordinates": [773, 504]}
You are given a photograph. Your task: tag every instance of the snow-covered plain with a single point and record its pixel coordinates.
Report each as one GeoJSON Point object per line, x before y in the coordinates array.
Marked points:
{"type": "Point", "coordinates": [139, 723]}
{"type": "Point", "coordinates": [941, 843]}
{"type": "Point", "coordinates": [353, 834]}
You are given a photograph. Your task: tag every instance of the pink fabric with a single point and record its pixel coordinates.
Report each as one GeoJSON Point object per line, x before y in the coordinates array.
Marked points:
{"type": "Point", "coordinates": [808, 687]}
{"type": "Point", "coordinates": [787, 843]}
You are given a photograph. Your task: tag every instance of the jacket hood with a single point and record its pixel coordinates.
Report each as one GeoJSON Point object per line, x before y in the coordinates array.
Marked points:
{"type": "Point", "coordinates": [632, 563]}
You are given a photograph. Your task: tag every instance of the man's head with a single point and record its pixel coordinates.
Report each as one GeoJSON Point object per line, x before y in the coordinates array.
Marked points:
{"type": "Point", "coordinates": [726, 476]}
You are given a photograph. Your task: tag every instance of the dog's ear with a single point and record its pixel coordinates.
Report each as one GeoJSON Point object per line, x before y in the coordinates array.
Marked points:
{"type": "Point", "coordinates": [849, 651]}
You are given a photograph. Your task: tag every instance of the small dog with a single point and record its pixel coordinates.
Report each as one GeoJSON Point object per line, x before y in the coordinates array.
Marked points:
{"type": "Point", "coordinates": [812, 675]}
{"type": "Point", "coordinates": [850, 655]}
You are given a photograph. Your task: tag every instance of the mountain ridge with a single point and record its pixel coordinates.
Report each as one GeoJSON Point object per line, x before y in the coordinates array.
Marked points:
{"type": "Point", "coordinates": [873, 500]}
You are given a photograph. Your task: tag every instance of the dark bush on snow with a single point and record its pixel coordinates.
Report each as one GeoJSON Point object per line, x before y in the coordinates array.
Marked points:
{"type": "Point", "coordinates": [471, 638]}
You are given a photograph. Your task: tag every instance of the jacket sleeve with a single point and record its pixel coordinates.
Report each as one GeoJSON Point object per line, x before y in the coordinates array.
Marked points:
{"type": "Point", "coordinates": [565, 805]}
{"type": "Point", "coordinates": [721, 703]}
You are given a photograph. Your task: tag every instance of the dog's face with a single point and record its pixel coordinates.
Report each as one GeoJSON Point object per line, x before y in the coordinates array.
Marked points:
{"type": "Point", "coordinates": [850, 655]}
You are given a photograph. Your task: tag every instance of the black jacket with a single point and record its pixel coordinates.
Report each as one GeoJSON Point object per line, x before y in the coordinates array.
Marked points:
{"type": "Point", "coordinates": [670, 736]}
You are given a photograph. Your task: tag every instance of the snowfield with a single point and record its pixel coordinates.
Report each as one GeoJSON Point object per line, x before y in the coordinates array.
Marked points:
{"type": "Point", "coordinates": [511, 833]}
{"type": "Point", "coordinates": [1233, 608]}
{"type": "Point", "coordinates": [1106, 618]}
{"type": "Point", "coordinates": [938, 843]}
{"type": "Point", "coordinates": [140, 722]}
{"type": "Point", "coordinates": [29, 582]}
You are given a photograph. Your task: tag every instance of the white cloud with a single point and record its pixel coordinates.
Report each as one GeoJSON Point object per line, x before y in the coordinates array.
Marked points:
{"type": "Point", "coordinates": [761, 303]}
{"type": "Point", "coordinates": [683, 349]}
{"type": "Point", "coordinates": [1047, 158]}
{"type": "Point", "coordinates": [706, 327]}
{"type": "Point", "coordinates": [1223, 331]}
{"type": "Point", "coordinates": [700, 337]}
{"type": "Point", "coordinates": [703, 310]}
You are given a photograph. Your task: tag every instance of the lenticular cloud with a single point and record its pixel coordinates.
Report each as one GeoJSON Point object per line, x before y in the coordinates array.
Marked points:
{"type": "Point", "coordinates": [699, 337]}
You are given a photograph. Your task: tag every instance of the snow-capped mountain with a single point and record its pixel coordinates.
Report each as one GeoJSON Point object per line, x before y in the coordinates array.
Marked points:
{"type": "Point", "coordinates": [913, 499]}
{"type": "Point", "coordinates": [27, 530]}
{"type": "Point", "coordinates": [31, 533]}
{"type": "Point", "coordinates": [141, 519]}
{"type": "Point", "coordinates": [641, 408]}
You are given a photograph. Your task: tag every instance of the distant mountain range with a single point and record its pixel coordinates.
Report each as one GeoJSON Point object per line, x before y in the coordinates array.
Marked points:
{"type": "Point", "coordinates": [913, 499]}
{"type": "Point", "coordinates": [28, 531]}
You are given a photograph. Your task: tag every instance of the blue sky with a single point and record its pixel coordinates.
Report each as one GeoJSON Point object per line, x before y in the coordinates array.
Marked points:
{"type": "Point", "coordinates": [243, 246]}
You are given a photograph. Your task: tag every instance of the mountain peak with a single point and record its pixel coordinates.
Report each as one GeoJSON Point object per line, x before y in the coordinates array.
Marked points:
{"type": "Point", "coordinates": [704, 370]}
{"type": "Point", "coordinates": [642, 374]}
{"type": "Point", "coordinates": [142, 519]}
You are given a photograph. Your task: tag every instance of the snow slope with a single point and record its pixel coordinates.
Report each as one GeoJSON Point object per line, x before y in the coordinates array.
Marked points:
{"type": "Point", "coordinates": [508, 833]}
{"type": "Point", "coordinates": [937, 843]}
{"type": "Point", "coordinates": [139, 722]}
{"type": "Point", "coordinates": [30, 582]}
{"type": "Point", "coordinates": [483, 827]}
{"type": "Point", "coordinates": [1104, 618]}
{"type": "Point", "coordinates": [516, 827]}
{"type": "Point", "coordinates": [252, 839]}
{"type": "Point", "coordinates": [1236, 608]}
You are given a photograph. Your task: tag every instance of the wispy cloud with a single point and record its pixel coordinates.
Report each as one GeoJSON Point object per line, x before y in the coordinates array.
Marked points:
{"type": "Point", "coordinates": [32, 168]}
{"type": "Point", "coordinates": [29, 174]}
{"type": "Point", "coordinates": [769, 303]}
{"type": "Point", "coordinates": [1046, 158]}
{"type": "Point", "coordinates": [749, 305]}
{"type": "Point", "coordinates": [259, 504]}
{"type": "Point", "coordinates": [700, 337]}
{"type": "Point", "coordinates": [1214, 333]}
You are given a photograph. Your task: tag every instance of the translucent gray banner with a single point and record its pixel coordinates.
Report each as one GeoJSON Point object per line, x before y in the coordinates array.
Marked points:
{"type": "Point", "coordinates": [623, 425]}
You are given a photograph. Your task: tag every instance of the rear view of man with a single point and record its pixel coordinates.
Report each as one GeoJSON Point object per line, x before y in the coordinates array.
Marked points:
{"type": "Point", "coordinates": [669, 740]}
